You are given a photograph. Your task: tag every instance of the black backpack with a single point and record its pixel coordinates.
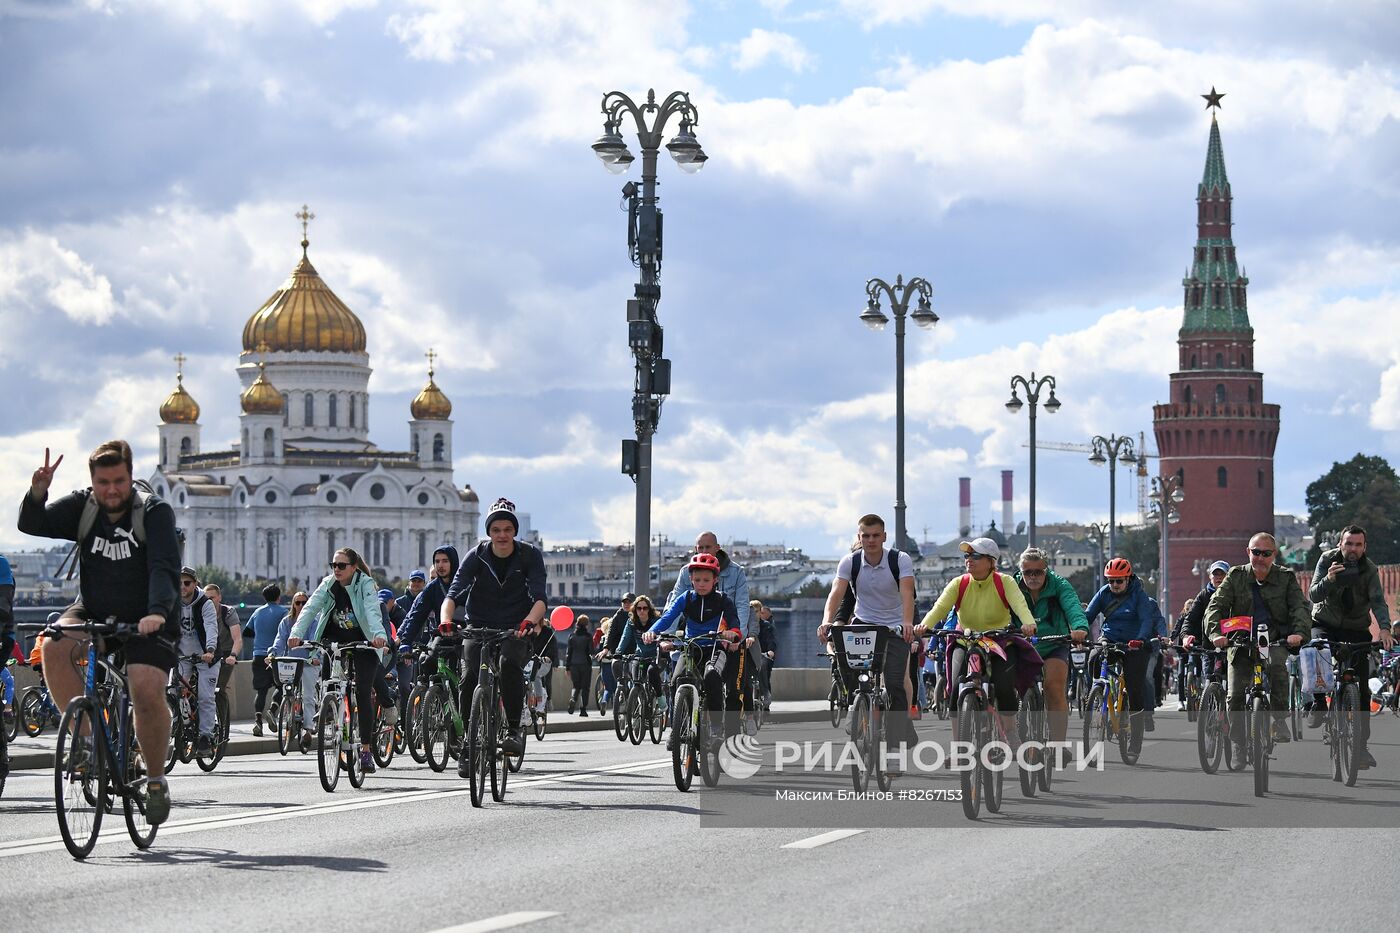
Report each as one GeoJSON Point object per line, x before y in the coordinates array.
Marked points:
{"type": "Point", "coordinates": [848, 602]}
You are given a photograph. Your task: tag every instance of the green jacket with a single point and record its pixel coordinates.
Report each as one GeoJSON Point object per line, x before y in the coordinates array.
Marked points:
{"type": "Point", "coordinates": [1281, 593]}
{"type": "Point", "coordinates": [1347, 602]}
{"type": "Point", "coordinates": [1056, 611]}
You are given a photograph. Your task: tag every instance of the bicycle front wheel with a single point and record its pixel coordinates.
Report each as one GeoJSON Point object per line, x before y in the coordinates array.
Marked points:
{"type": "Point", "coordinates": [1211, 729]}
{"type": "Point", "coordinates": [499, 769]}
{"type": "Point", "coordinates": [638, 708]}
{"type": "Point", "coordinates": [1032, 708]}
{"type": "Point", "coordinates": [682, 740]}
{"type": "Point", "coordinates": [480, 746]}
{"type": "Point", "coordinates": [620, 714]}
{"type": "Point", "coordinates": [80, 776]}
{"type": "Point", "coordinates": [863, 742]}
{"type": "Point", "coordinates": [328, 733]}
{"type": "Point", "coordinates": [1096, 717]}
{"type": "Point", "coordinates": [288, 721]}
{"type": "Point", "coordinates": [1259, 744]}
{"type": "Point", "coordinates": [415, 724]}
{"type": "Point", "coordinates": [970, 779]}
{"type": "Point", "coordinates": [209, 760]}
{"type": "Point", "coordinates": [833, 701]}
{"type": "Point", "coordinates": [1349, 718]}
{"type": "Point", "coordinates": [31, 712]}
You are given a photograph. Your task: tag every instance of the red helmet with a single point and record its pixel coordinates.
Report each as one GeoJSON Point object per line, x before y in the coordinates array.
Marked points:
{"type": "Point", "coordinates": [704, 562]}
{"type": "Point", "coordinates": [1118, 568]}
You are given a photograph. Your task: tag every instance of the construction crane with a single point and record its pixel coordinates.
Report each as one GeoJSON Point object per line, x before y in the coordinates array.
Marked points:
{"type": "Point", "coordinates": [1143, 455]}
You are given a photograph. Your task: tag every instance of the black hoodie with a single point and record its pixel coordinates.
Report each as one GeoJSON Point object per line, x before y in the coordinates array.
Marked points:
{"type": "Point", "coordinates": [422, 619]}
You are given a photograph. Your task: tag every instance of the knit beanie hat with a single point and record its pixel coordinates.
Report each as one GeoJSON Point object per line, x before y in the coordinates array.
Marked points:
{"type": "Point", "coordinates": [502, 509]}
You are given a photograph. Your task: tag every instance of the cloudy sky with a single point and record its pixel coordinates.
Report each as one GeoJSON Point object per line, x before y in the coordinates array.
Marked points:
{"type": "Point", "coordinates": [1036, 160]}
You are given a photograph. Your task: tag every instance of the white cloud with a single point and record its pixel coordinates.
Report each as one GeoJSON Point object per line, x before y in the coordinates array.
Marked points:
{"type": "Point", "coordinates": [761, 46]}
{"type": "Point", "coordinates": [38, 275]}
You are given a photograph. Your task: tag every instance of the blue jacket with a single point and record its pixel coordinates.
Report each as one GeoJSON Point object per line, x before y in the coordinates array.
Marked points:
{"type": "Point", "coordinates": [263, 625]}
{"type": "Point", "coordinates": [703, 615]}
{"type": "Point", "coordinates": [279, 647]}
{"type": "Point", "coordinates": [1135, 619]}
{"type": "Point", "coordinates": [733, 582]}
{"type": "Point", "coordinates": [422, 616]}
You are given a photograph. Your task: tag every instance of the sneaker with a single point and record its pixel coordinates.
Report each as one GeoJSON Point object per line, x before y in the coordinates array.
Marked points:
{"type": "Point", "coordinates": [307, 740]}
{"type": "Point", "coordinates": [1366, 761]}
{"type": "Point", "coordinates": [583, 712]}
{"type": "Point", "coordinates": [80, 756]}
{"type": "Point", "coordinates": [464, 767]}
{"type": "Point", "coordinates": [257, 728]}
{"type": "Point", "coordinates": [1282, 734]}
{"type": "Point", "coordinates": [205, 743]}
{"type": "Point", "coordinates": [915, 712]}
{"type": "Point", "coordinates": [157, 801]}
{"type": "Point", "coordinates": [391, 715]}
{"type": "Point", "coordinates": [1147, 723]}
{"type": "Point", "coordinates": [513, 743]}
{"type": "Point", "coordinates": [366, 761]}
{"type": "Point", "coordinates": [1237, 752]}
{"type": "Point", "coordinates": [1316, 718]}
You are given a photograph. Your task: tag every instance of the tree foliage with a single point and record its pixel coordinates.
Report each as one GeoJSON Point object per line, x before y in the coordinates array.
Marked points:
{"type": "Point", "coordinates": [1363, 491]}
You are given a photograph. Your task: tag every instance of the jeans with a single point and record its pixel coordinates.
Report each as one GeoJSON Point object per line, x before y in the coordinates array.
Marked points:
{"type": "Point", "coordinates": [205, 679]}
{"type": "Point", "coordinates": [8, 680]}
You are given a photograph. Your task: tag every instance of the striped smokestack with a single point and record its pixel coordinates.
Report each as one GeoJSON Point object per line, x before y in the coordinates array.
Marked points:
{"type": "Point", "coordinates": [1006, 517]}
{"type": "Point", "coordinates": [964, 505]}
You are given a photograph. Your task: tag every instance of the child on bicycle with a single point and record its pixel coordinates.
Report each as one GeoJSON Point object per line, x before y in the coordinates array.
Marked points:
{"type": "Point", "coordinates": [708, 613]}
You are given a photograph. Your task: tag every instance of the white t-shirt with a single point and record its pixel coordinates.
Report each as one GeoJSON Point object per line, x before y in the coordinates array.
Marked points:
{"type": "Point", "coordinates": [878, 600]}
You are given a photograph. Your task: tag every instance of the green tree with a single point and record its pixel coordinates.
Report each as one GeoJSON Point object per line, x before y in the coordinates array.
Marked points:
{"type": "Point", "coordinates": [1083, 580]}
{"type": "Point", "coordinates": [814, 589]}
{"type": "Point", "coordinates": [1363, 491]}
{"type": "Point", "coordinates": [1142, 547]}
{"type": "Point", "coordinates": [210, 573]}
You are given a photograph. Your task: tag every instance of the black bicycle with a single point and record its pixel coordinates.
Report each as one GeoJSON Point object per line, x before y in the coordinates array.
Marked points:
{"type": "Point", "coordinates": [1346, 720]}
{"type": "Point", "coordinates": [1033, 727]}
{"type": "Point", "coordinates": [838, 698]}
{"type": "Point", "coordinates": [182, 696]}
{"type": "Point", "coordinates": [97, 757]}
{"type": "Point", "coordinates": [860, 652]}
{"type": "Point", "coordinates": [1213, 718]}
{"type": "Point", "coordinates": [486, 724]}
{"type": "Point", "coordinates": [1256, 728]}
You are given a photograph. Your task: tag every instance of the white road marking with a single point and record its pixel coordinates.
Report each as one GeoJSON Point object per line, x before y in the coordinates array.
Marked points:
{"type": "Point", "coordinates": [503, 922]}
{"type": "Point", "coordinates": [836, 835]}
{"type": "Point", "coordinates": [181, 827]}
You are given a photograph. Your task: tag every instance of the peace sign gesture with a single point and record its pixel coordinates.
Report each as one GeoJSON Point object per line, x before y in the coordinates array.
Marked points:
{"type": "Point", "coordinates": [39, 482]}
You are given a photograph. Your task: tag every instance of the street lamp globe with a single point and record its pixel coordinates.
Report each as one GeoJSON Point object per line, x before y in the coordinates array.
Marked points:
{"type": "Point", "coordinates": [1052, 405]}
{"type": "Point", "coordinates": [1015, 404]}
{"type": "Point", "coordinates": [1178, 495]}
{"type": "Point", "coordinates": [612, 150]}
{"type": "Point", "coordinates": [1097, 458]}
{"type": "Point", "coordinates": [696, 163]}
{"type": "Point", "coordinates": [1173, 517]}
{"type": "Point", "coordinates": [924, 315]}
{"type": "Point", "coordinates": [873, 317]}
{"type": "Point", "coordinates": [684, 147]}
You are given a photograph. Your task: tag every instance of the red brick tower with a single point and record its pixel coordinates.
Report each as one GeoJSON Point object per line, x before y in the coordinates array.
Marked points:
{"type": "Point", "coordinates": [1216, 432]}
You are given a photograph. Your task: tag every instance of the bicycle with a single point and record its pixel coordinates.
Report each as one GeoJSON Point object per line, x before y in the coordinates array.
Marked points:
{"type": "Point", "coordinates": [1213, 719]}
{"type": "Point", "coordinates": [1108, 716]}
{"type": "Point", "coordinates": [1343, 726]}
{"type": "Point", "coordinates": [180, 696]}
{"type": "Point", "coordinates": [1032, 726]}
{"type": "Point", "coordinates": [1257, 725]}
{"type": "Point", "coordinates": [290, 712]}
{"type": "Point", "coordinates": [647, 711]}
{"type": "Point", "coordinates": [622, 689]}
{"type": "Point", "coordinates": [442, 725]}
{"type": "Point", "coordinates": [690, 747]}
{"type": "Point", "coordinates": [1078, 687]}
{"type": "Point", "coordinates": [37, 710]}
{"type": "Point", "coordinates": [979, 722]}
{"type": "Point", "coordinates": [838, 698]}
{"type": "Point", "coordinates": [9, 711]}
{"type": "Point", "coordinates": [860, 651]}
{"type": "Point", "coordinates": [97, 757]}
{"type": "Point", "coordinates": [337, 727]}
{"type": "Point", "coordinates": [486, 725]}
{"type": "Point", "coordinates": [599, 688]}
{"type": "Point", "coordinates": [536, 696]}
{"type": "Point", "coordinates": [1192, 674]}
{"type": "Point", "coordinates": [415, 706]}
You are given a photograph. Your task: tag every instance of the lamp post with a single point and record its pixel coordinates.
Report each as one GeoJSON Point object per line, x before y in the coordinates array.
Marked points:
{"type": "Point", "coordinates": [1166, 495]}
{"type": "Point", "coordinates": [644, 335]}
{"type": "Point", "coordinates": [1032, 387]}
{"type": "Point", "coordinates": [1098, 533]}
{"type": "Point", "coordinates": [1110, 450]}
{"type": "Point", "coordinates": [899, 295]}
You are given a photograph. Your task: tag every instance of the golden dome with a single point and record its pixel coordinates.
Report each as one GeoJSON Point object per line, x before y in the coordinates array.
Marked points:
{"type": "Point", "coordinates": [262, 398]}
{"type": "Point", "coordinates": [431, 404]}
{"type": "Point", "coordinates": [304, 314]}
{"type": "Point", "coordinates": [180, 407]}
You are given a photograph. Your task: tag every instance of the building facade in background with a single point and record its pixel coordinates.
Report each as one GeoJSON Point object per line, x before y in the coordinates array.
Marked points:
{"type": "Point", "coordinates": [304, 479]}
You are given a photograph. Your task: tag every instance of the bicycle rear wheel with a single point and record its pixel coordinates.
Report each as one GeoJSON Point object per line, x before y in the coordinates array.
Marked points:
{"type": "Point", "coordinates": [497, 760]}
{"type": "Point", "coordinates": [434, 729]}
{"type": "Point", "coordinates": [970, 779]}
{"type": "Point", "coordinates": [833, 701]}
{"type": "Point", "coordinates": [1349, 717]}
{"type": "Point", "coordinates": [383, 745]}
{"type": "Point", "coordinates": [209, 760]}
{"type": "Point", "coordinates": [31, 712]}
{"type": "Point", "coordinates": [289, 721]}
{"type": "Point", "coordinates": [328, 733]}
{"type": "Point", "coordinates": [172, 748]}
{"type": "Point", "coordinates": [513, 762]}
{"type": "Point", "coordinates": [80, 776]}
{"type": "Point", "coordinates": [620, 714]}
{"type": "Point", "coordinates": [1096, 717]}
{"type": "Point", "coordinates": [414, 725]}
{"type": "Point", "coordinates": [707, 760]}
{"type": "Point", "coordinates": [134, 796]}
{"type": "Point", "coordinates": [656, 719]}
{"type": "Point", "coordinates": [1259, 725]}
{"type": "Point", "coordinates": [1211, 729]}
{"type": "Point", "coordinates": [1031, 712]}
{"type": "Point", "coordinates": [683, 742]}
{"type": "Point", "coordinates": [639, 707]}
{"type": "Point", "coordinates": [539, 718]}
{"type": "Point", "coordinates": [479, 747]}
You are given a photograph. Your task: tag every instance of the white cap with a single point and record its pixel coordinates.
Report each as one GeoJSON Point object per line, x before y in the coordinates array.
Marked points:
{"type": "Point", "coordinates": [985, 546]}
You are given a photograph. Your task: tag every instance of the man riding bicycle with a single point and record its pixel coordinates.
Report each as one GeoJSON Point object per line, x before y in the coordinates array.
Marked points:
{"type": "Point", "coordinates": [129, 569]}
{"type": "Point", "coordinates": [502, 582]}
{"type": "Point", "coordinates": [1129, 616]}
{"type": "Point", "coordinates": [1270, 595]}
{"type": "Point", "coordinates": [1346, 590]}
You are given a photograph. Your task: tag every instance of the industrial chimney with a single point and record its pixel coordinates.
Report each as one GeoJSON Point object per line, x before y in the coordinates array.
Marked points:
{"type": "Point", "coordinates": [1006, 519]}
{"type": "Point", "coordinates": [964, 505]}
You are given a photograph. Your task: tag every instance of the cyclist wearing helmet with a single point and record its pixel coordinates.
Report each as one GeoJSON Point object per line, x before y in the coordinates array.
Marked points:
{"type": "Point", "coordinates": [707, 612]}
{"type": "Point", "coordinates": [1128, 616]}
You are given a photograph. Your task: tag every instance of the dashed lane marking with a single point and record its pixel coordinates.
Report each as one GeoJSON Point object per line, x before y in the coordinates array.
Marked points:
{"type": "Point", "coordinates": [812, 842]}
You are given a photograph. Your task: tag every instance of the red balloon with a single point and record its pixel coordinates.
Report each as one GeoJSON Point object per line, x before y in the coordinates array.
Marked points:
{"type": "Point", "coordinates": [562, 618]}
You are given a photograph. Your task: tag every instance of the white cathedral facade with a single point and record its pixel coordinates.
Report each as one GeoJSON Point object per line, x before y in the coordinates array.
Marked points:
{"type": "Point", "coordinates": [304, 479]}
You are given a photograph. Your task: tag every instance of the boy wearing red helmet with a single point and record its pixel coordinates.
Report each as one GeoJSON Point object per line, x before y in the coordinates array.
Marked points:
{"type": "Point", "coordinates": [707, 612]}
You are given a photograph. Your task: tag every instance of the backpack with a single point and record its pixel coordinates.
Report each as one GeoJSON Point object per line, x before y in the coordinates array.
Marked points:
{"type": "Point", "coordinates": [966, 580]}
{"type": "Point", "coordinates": [142, 494]}
{"type": "Point", "coordinates": [847, 609]}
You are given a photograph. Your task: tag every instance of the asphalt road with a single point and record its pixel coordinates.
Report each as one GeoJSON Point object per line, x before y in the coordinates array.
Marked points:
{"type": "Point", "coordinates": [594, 835]}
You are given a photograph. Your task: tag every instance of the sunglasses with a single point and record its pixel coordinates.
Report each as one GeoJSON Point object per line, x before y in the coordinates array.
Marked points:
{"type": "Point", "coordinates": [299, 602]}
{"type": "Point", "coordinates": [1260, 552]}
{"type": "Point", "coordinates": [187, 583]}
{"type": "Point", "coordinates": [1032, 573]}
{"type": "Point", "coordinates": [974, 556]}
{"type": "Point", "coordinates": [1118, 582]}
{"type": "Point", "coordinates": [340, 565]}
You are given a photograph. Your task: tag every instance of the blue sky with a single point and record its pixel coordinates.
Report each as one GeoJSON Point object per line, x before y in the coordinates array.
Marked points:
{"type": "Point", "coordinates": [1036, 161]}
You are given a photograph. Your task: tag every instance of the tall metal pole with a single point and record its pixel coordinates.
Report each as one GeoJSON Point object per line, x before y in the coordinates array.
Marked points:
{"type": "Point", "coordinates": [653, 372]}
{"type": "Point", "coordinates": [899, 295]}
{"type": "Point", "coordinates": [1032, 387]}
{"type": "Point", "coordinates": [1166, 493]}
{"type": "Point", "coordinates": [1111, 448]}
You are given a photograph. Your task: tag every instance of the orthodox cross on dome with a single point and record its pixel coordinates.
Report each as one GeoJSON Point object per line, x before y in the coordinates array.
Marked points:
{"type": "Point", "coordinates": [179, 367]}
{"type": "Point", "coordinates": [305, 216]}
{"type": "Point", "coordinates": [262, 354]}
{"type": "Point", "coordinates": [431, 355]}
{"type": "Point", "coordinates": [1212, 101]}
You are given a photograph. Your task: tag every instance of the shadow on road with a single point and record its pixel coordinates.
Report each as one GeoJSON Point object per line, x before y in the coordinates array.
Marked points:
{"type": "Point", "coordinates": [227, 858]}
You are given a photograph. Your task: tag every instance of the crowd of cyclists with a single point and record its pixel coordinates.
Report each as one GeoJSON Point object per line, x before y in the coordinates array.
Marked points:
{"type": "Point", "coordinates": [360, 673]}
